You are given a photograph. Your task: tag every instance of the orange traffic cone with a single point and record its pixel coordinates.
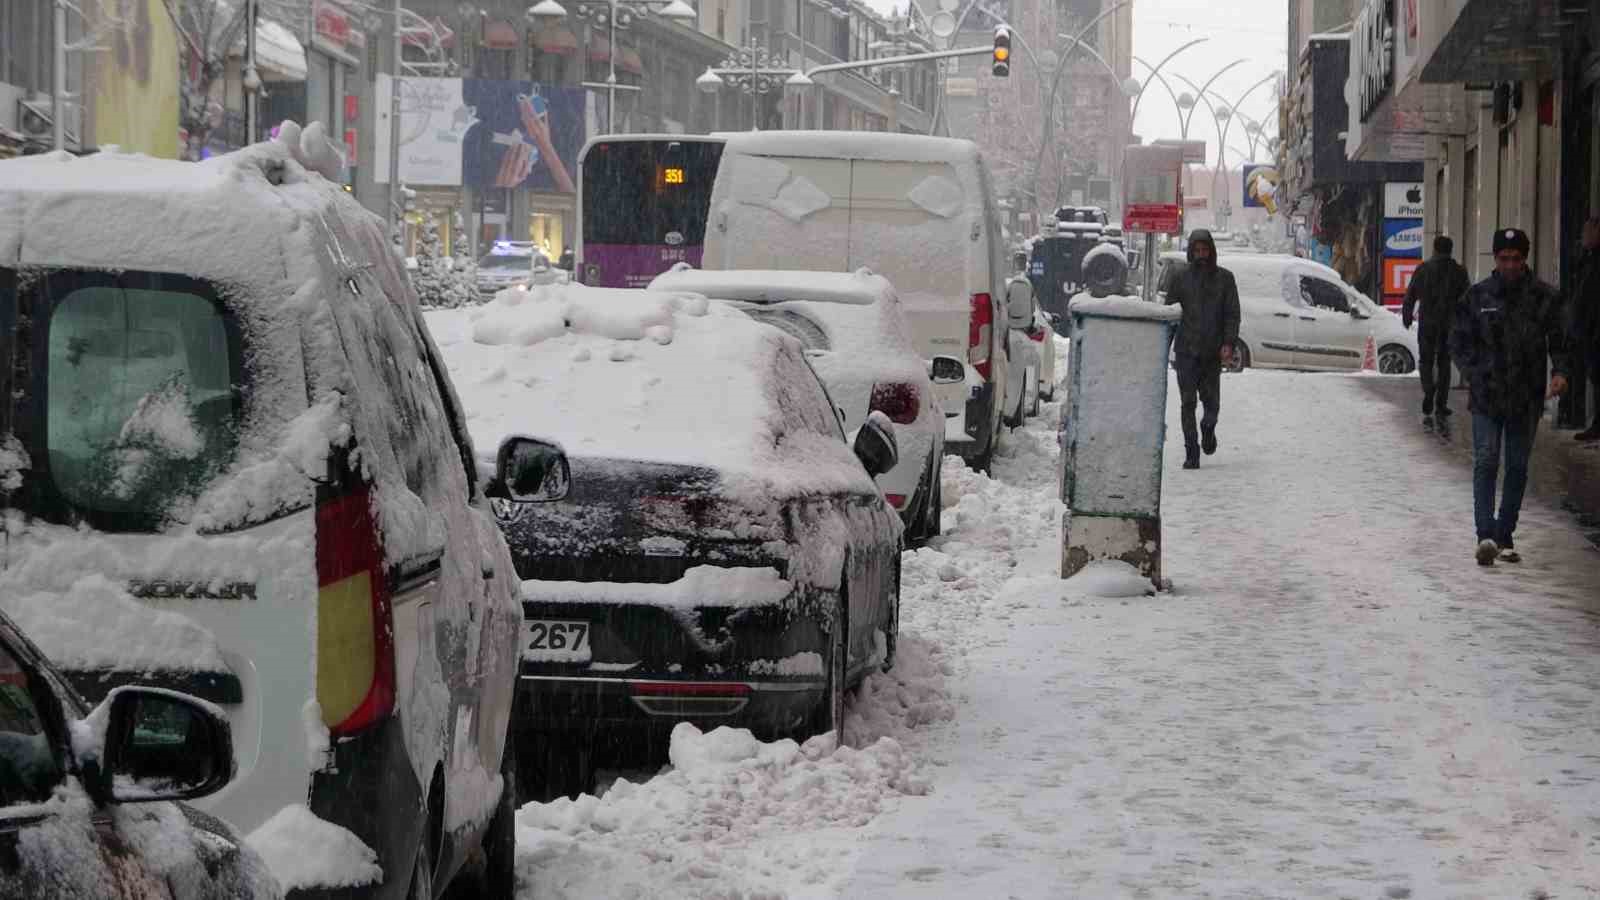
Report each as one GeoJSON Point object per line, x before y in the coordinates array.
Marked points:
{"type": "Point", "coordinates": [1369, 359]}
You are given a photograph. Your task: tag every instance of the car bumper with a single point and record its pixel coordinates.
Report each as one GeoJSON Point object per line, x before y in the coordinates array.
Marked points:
{"type": "Point", "coordinates": [627, 712]}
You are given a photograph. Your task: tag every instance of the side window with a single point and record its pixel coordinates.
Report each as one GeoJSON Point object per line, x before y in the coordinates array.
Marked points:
{"type": "Point", "coordinates": [1322, 294]}
{"type": "Point", "coordinates": [452, 409]}
{"type": "Point", "coordinates": [29, 769]}
{"type": "Point", "coordinates": [801, 397]}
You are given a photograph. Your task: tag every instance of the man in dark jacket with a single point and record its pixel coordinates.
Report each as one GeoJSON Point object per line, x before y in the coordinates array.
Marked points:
{"type": "Point", "coordinates": [1206, 340]}
{"type": "Point", "coordinates": [1439, 284]}
{"type": "Point", "coordinates": [1506, 328]}
{"type": "Point", "coordinates": [1583, 320]}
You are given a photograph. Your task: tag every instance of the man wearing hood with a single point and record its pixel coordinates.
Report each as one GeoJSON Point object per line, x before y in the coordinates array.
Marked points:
{"type": "Point", "coordinates": [1507, 328]}
{"type": "Point", "coordinates": [1206, 339]}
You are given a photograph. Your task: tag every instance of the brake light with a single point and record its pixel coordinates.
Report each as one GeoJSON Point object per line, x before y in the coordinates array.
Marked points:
{"type": "Point", "coordinates": [900, 402]}
{"type": "Point", "coordinates": [980, 330]}
{"type": "Point", "coordinates": [1037, 335]}
{"type": "Point", "coordinates": [355, 624]}
{"type": "Point", "coordinates": [898, 501]}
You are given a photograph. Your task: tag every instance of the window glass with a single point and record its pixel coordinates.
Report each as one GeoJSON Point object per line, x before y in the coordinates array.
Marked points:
{"type": "Point", "coordinates": [1323, 295]}
{"type": "Point", "coordinates": [139, 400]}
{"type": "Point", "coordinates": [28, 766]}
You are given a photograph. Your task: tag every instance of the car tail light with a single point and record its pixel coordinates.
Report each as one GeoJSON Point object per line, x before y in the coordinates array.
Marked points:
{"type": "Point", "coordinates": [900, 402]}
{"type": "Point", "coordinates": [355, 624]}
{"type": "Point", "coordinates": [898, 501]}
{"type": "Point", "coordinates": [979, 332]}
{"type": "Point", "coordinates": [681, 699]}
{"type": "Point", "coordinates": [1037, 335]}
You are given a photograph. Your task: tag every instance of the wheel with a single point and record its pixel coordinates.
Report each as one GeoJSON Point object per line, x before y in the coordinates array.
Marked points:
{"type": "Point", "coordinates": [982, 461]}
{"type": "Point", "coordinates": [422, 873]}
{"type": "Point", "coordinates": [553, 765]}
{"type": "Point", "coordinates": [1394, 359]}
{"type": "Point", "coordinates": [935, 504]}
{"type": "Point", "coordinates": [1241, 357]}
{"type": "Point", "coordinates": [891, 636]}
{"type": "Point", "coordinates": [829, 714]}
{"type": "Point", "coordinates": [497, 876]}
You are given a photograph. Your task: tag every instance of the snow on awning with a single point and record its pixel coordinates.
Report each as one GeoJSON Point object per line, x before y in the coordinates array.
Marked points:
{"type": "Point", "coordinates": [279, 54]}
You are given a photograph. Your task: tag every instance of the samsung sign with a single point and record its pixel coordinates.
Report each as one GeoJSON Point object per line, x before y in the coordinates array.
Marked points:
{"type": "Point", "coordinates": [1372, 55]}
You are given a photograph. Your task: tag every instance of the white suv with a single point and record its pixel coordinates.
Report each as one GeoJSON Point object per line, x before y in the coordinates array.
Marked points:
{"type": "Point", "coordinates": [233, 465]}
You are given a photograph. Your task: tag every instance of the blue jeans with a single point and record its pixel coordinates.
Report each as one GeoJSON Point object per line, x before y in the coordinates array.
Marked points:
{"type": "Point", "coordinates": [1489, 435]}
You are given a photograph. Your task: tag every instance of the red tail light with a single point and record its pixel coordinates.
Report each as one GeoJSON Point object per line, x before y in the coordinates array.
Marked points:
{"type": "Point", "coordinates": [900, 402]}
{"type": "Point", "coordinates": [898, 501]}
{"type": "Point", "coordinates": [979, 332]}
{"type": "Point", "coordinates": [355, 624]}
{"type": "Point", "coordinates": [1037, 335]}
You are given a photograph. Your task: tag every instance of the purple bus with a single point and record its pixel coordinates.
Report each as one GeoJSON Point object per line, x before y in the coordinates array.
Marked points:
{"type": "Point", "coordinates": [643, 200]}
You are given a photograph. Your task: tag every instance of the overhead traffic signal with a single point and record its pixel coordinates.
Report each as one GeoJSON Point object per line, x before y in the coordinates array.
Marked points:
{"type": "Point", "coordinates": [1002, 52]}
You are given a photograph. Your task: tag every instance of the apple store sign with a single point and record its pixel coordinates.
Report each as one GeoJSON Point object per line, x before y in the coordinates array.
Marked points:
{"type": "Point", "coordinates": [1402, 200]}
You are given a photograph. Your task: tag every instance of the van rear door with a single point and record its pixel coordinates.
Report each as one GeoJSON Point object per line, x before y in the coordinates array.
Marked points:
{"type": "Point", "coordinates": [785, 212]}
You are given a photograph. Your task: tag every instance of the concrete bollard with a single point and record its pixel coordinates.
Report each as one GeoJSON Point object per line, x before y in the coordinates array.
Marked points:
{"type": "Point", "coordinates": [1113, 432]}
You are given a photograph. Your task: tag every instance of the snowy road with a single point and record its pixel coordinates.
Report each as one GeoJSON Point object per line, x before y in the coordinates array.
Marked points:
{"type": "Point", "coordinates": [1334, 701]}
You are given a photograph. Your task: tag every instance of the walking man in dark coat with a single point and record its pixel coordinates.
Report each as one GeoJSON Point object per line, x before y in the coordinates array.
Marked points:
{"type": "Point", "coordinates": [1206, 340]}
{"type": "Point", "coordinates": [1439, 285]}
{"type": "Point", "coordinates": [1583, 320]}
{"type": "Point", "coordinates": [1507, 328]}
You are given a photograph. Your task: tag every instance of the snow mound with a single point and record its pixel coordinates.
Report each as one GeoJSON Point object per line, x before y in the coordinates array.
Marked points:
{"type": "Point", "coordinates": [1123, 307]}
{"type": "Point", "coordinates": [1110, 578]}
{"type": "Point", "coordinates": [904, 700]}
{"type": "Point", "coordinates": [71, 627]}
{"type": "Point", "coordinates": [721, 823]}
{"type": "Point", "coordinates": [305, 851]}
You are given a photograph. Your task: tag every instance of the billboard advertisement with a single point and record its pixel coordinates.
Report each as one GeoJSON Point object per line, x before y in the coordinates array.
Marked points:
{"type": "Point", "coordinates": [1402, 239]}
{"type": "Point", "coordinates": [483, 133]}
{"type": "Point", "coordinates": [1261, 187]}
{"type": "Point", "coordinates": [131, 89]}
{"type": "Point", "coordinates": [1152, 201]}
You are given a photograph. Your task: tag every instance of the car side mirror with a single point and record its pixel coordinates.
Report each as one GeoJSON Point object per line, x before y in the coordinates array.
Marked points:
{"type": "Point", "coordinates": [947, 370]}
{"type": "Point", "coordinates": [1357, 312]}
{"type": "Point", "coordinates": [875, 445]}
{"type": "Point", "coordinates": [528, 470]}
{"type": "Point", "coordinates": [146, 744]}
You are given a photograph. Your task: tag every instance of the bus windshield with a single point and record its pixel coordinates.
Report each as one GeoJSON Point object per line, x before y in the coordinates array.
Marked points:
{"type": "Point", "coordinates": [643, 207]}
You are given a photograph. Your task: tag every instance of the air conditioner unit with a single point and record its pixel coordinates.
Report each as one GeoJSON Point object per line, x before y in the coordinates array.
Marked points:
{"type": "Point", "coordinates": [34, 118]}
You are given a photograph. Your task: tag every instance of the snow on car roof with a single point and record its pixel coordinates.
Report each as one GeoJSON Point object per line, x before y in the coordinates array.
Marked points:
{"type": "Point", "coordinates": [644, 375]}
{"type": "Point", "coordinates": [861, 287]}
{"type": "Point", "coordinates": [854, 145]}
{"type": "Point", "coordinates": [1123, 307]}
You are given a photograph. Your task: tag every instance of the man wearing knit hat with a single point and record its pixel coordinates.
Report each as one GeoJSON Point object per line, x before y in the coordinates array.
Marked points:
{"type": "Point", "coordinates": [1507, 328]}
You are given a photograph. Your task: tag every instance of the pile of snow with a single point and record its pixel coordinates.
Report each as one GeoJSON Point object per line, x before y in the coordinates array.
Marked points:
{"type": "Point", "coordinates": [1123, 307]}
{"type": "Point", "coordinates": [721, 586]}
{"type": "Point", "coordinates": [650, 376]}
{"type": "Point", "coordinates": [305, 851]}
{"type": "Point", "coordinates": [72, 625]}
{"type": "Point", "coordinates": [721, 823]}
{"type": "Point", "coordinates": [1110, 578]}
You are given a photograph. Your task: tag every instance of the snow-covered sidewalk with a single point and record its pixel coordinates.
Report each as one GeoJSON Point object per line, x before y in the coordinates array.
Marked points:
{"type": "Point", "coordinates": [1334, 701]}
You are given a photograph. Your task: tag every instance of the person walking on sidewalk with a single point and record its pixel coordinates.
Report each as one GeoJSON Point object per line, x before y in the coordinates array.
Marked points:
{"type": "Point", "coordinates": [1583, 320]}
{"type": "Point", "coordinates": [1506, 329]}
{"type": "Point", "coordinates": [1205, 342]}
{"type": "Point", "coordinates": [1439, 285]}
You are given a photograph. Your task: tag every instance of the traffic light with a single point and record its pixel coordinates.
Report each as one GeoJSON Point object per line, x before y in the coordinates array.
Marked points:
{"type": "Point", "coordinates": [1002, 52]}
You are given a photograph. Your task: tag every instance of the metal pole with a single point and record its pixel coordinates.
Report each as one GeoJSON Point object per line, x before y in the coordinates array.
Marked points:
{"type": "Point", "coordinates": [58, 87]}
{"type": "Point", "coordinates": [800, 26]}
{"type": "Point", "coordinates": [252, 86]}
{"type": "Point", "coordinates": [611, 73]}
{"type": "Point", "coordinates": [1149, 263]}
{"type": "Point", "coordinates": [755, 101]}
{"type": "Point", "coordinates": [394, 125]}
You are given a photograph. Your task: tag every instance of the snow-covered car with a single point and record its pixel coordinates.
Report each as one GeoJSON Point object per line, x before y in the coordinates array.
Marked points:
{"type": "Point", "coordinates": [712, 551]}
{"type": "Point", "coordinates": [1298, 314]}
{"type": "Point", "coordinates": [1043, 335]}
{"type": "Point", "coordinates": [89, 800]}
{"type": "Point", "coordinates": [921, 211]}
{"type": "Point", "coordinates": [857, 339]}
{"type": "Point", "coordinates": [508, 264]}
{"type": "Point", "coordinates": [237, 468]}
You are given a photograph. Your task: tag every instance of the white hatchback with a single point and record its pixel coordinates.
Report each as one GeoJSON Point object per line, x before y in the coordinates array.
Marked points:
{"type": "Point", "coordinates": [1299, 314]}
{"type": "Point", "coordinates": [857, 339]}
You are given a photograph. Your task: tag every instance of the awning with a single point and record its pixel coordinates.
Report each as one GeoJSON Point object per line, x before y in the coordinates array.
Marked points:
{"type": "Point", "coordinates": [628, 61]}
{"type": "Point", "coordinates": [499, 34]}
{"type": "Point", "coordinates": [279, 56]}
{"type": "Point", "coordinates": [599, 49]}
{"type": "Point", "coordinates": [1507, 40]}
{"type": "Point", "coordinates": [556, 40]}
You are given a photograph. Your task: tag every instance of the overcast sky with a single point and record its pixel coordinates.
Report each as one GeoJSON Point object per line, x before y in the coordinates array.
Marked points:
{"type": "Point", "coordinates": [1255, 31]}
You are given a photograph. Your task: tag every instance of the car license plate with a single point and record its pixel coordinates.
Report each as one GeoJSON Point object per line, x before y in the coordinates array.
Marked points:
{"type": "Point", "coordinates": [551, 640]}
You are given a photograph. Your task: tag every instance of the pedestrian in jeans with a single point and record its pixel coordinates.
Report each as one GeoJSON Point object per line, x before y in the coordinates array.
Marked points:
{"type": "Point", "coordinates": [1506, 328]}
{"type": "Point", "coordinates": [1439, 284]}
{"type": "Point", "coordinates": [1205, 341]}
{"type": "Point", "coordinates": [1583, 320]}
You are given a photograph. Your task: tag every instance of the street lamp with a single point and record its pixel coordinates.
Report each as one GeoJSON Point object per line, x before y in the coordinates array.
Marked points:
{"type": "Point", "coordinates": [754, 71]}
{"type": "Point", "coordinates": [611, 14]}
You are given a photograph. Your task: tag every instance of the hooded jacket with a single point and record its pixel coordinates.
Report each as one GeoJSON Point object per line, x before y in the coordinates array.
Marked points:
{"type": "Point", "coordinates": [1504, 333]}
{"type": "Point", "coordinates": [1210, 301]}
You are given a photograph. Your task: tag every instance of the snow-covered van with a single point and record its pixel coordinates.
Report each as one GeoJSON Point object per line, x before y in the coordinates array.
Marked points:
{"type": "Point", "coordinates": [917, 210]}
{"type": "Point", "coordinates": [232, 464]}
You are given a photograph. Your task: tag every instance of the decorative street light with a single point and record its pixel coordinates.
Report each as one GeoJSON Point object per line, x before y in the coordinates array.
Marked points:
{"type": "Point", "coordinates": [755, 72]}
{"type": "Point", "coordinates": [612, 14]}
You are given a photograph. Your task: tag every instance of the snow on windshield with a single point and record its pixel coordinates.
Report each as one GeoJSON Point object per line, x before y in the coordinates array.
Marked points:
{"type": "Point", "coordinates": [652, 376]}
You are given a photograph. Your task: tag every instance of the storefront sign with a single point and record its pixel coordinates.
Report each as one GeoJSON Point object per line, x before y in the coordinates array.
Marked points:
{"type": "Point", "coordinates": [1403, 200]}
{"type": "Point", "coordinates": [1261, 187]}
{"type": "Point", "coordinates": [332, 23]}
{"type": "Point", "coordinates": [1152, 201]}
{"type": "Point", "coordinates": [1372, 55]}
{"type": "Point", "coordinates": [350, 144]}
{"type": "Point", "coordinates": [1402, 238]}
{"type": "Point", "coordinates": [1397, 277]}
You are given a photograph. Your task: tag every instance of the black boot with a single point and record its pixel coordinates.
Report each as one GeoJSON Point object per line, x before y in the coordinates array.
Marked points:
{"type": "Point", "coordinates": [1191, 457]}
{"type": "Point", "coordinates": [1208, 439]}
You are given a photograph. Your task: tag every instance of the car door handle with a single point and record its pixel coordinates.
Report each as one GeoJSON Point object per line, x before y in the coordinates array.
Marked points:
{"type": "Point", "coordinates": [1281, 315]}
{"type": "Point", "coordinates": [1308, 318]}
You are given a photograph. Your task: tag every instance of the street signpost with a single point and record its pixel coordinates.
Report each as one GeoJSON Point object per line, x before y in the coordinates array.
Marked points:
{"type": "Point", "coordinates": [1152, 198]}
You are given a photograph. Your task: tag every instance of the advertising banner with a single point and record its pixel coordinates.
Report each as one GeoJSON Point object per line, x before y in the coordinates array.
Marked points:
{"type": "Point", "coordinates": [1396, 278]}
{"type": "Point", "coordinates": [1261, 187]}
{"type": "Point", "coordinates": [483, 133]}
{"type": "Point", "coordinates": [1403, 200]}
{"type": "Point", "coordinates": [132, 88]}
{"type": "Point", "coordinates": [1402, 239]}
{"type": "Point", "coordinates": [1152, 202]}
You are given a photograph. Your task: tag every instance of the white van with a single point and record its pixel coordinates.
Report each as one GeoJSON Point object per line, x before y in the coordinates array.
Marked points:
{"type": "Point", "coordinates": [918, 210]}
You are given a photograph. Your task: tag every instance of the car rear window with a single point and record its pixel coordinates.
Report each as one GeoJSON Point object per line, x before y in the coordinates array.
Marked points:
{"type": "Point", "coordinates": [132, 406]}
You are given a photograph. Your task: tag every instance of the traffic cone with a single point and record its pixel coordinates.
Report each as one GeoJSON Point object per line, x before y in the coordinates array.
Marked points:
{"type": "Point", "coordinates": [1369, 359]}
